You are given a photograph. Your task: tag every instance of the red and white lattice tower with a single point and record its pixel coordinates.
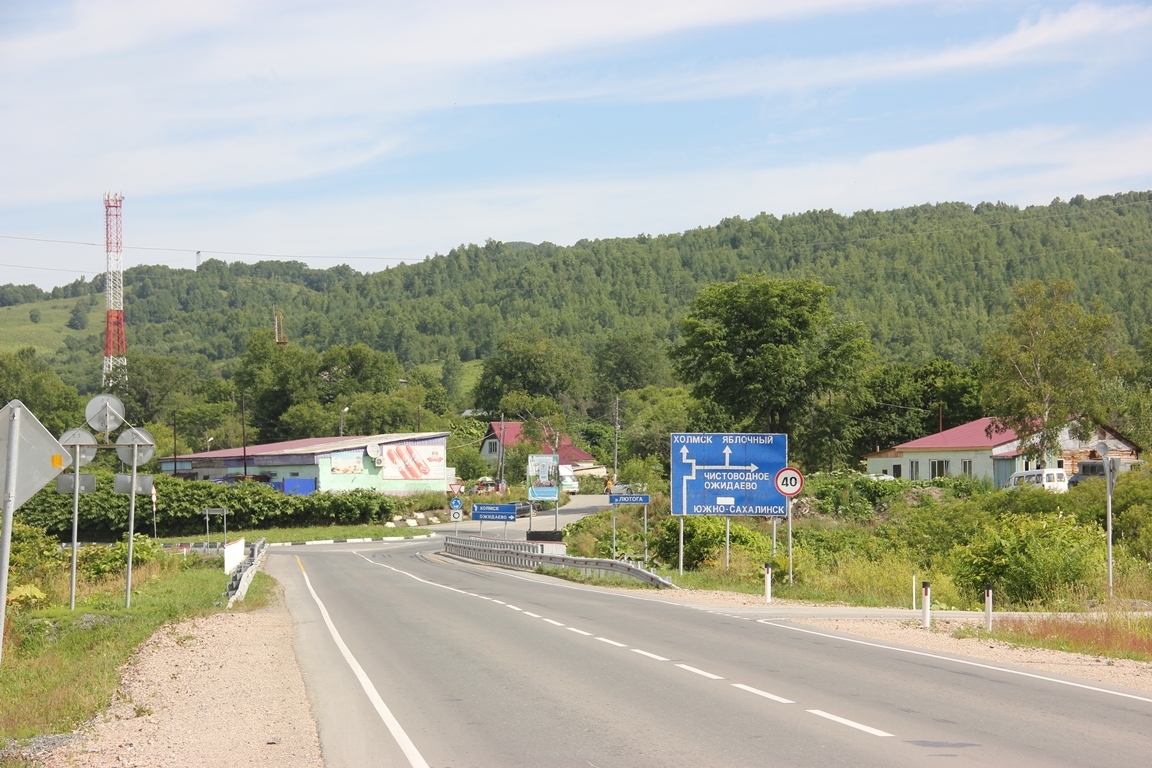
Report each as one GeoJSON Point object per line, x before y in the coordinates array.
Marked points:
{"type": "Point", "coordinates": [115, 346]}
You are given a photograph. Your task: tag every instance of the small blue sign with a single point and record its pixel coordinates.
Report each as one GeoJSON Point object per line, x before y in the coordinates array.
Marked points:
{"type": "Point", "coordinates": [456, 503]}
{"type": "Point", "coordinates": [728, 474]}
{"type": "Point", "coordinates": [629, 498]}
{"type": "Point", "coordinates": [505, 512]}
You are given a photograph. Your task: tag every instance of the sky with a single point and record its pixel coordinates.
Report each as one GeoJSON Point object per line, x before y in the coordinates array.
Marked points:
{"type": "Point", "coordinates": [377, 132]}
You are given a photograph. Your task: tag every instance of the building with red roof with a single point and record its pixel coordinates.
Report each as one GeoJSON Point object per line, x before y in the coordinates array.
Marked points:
{"type": "Point", "coordinates": [975, 450]}
{"type": "Point", "coordinates": [505, 434]}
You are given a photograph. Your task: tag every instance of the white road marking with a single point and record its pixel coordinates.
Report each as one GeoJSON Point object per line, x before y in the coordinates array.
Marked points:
{"type": "Point", "coordinates": [700, 672]}
{"type": "Point", "coordinates": [415, 759]}
{"type": "Point", "coordinates": [772, 623]}
{"type": "Point", "coordinates": [513, 607]}
{"type": "Point", "coordinates": [612, 642]}
{"type": "Point", "coordinates": [553, 621]}
{"type": "Point", "coordinates": [849, 723]}
{"type": "Point", "coordinates": [765, 694]}
{"type": "Point", "coordinates": [649, 655]}
{"type": "Point", "coordinates": [579, 631]}
{"type": "Point", "coordinates": [533, 615]}
{"type": "Point", "coordinates": [498, 602]}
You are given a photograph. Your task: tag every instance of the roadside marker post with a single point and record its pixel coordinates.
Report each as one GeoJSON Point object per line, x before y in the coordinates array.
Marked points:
{"type": "Point", "coordinates": [767, 582]}
{"type": "Point", "coordinates": [988, 608]}
{"type": "Point", "coordinates": [926, 606]}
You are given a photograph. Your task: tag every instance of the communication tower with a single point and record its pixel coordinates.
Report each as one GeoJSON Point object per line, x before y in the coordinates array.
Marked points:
{"type": "Point", "coordinates": [115, 346]}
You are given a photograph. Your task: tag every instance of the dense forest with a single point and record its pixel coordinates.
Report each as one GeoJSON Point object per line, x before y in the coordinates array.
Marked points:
{"type": "Point", "coordinates": [917, 290]}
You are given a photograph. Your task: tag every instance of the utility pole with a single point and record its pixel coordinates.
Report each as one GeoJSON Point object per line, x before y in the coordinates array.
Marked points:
{"type": "Point", "coordinates": [616, 441]}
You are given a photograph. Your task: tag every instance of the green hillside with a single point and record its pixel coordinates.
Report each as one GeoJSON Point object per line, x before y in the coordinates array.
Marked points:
{"type": "Point", "coordinates": [926, 281]}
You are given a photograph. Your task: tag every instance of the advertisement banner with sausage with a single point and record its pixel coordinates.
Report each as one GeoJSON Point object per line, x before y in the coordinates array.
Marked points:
{"type": "Point", "coordinates": [405, 461]}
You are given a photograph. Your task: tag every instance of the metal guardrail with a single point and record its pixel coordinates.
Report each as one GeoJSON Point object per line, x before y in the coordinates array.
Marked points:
{"type": "Point", "coordinates": [532, 554]}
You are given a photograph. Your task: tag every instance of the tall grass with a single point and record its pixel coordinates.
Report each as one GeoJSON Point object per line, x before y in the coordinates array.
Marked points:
{"type": "Point", "coordinates": [60, 667]}
{"type": "Point", "coordinates": [1116, 633]}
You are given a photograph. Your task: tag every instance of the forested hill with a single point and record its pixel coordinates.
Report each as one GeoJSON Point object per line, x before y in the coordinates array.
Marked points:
{"type": "Point", "coordinates": [926, 281]}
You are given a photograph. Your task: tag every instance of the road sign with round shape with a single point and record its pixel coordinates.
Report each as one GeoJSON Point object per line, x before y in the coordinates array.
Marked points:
{"type": "Point", "coordinates": [134, 436]}
{"type": "Point", "coordinates": [104, 413]}
{"type": "Point", "coordinates": [789, 481]}
{"type": "Point", "coordinates": [78, 438]}
{"type": "Point", "coordinates": [456, 503]}
{"type": "Point", "coordinates": [457, 515]}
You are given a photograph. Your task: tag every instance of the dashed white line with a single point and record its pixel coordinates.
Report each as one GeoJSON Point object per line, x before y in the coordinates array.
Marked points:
{"type": "Point", "coordinates": [700, 672]}
{"type": "Point", "coordinates": [513, 607]}
{"type": "Point", "coordinates": [849, 723]}
{"type": "Point", "coordinates": [765, 694]}
{"type": "Point", "coordinates": [533, 615]}
{"type": "Point", "coordinates": [612, 642]}
{"type": "Point", "coordinates": [579, 631]}
{"type": "Point", "coordinates": [649, 655]}
{"type": "Point", "coordinates": [499, 602]}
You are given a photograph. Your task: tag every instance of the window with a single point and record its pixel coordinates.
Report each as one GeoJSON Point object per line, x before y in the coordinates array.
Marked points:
{"type": "Point", "coordinates": [895, 470]}
{"type": "Point", "coordinates": [914, 470]}
{"type": "Point", "coordinates": [966, 467]}
{"type": "Point", "coordinates": [938, 468]}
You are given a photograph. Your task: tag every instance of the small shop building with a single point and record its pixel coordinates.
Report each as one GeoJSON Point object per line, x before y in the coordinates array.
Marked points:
{"type": "Point", "coordinates": [395, 464]}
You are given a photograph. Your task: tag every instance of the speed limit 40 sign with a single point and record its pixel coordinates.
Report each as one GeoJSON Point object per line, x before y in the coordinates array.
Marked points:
{"type": "Point", "coordinates": [789, 481]}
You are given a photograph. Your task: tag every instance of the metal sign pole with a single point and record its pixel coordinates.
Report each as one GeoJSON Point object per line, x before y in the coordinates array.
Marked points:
{"type": "Point", "coordinates": [481, 529]}
{"type": "Point", "coordinates": [225, 527]}
{"type": "Point", "coordinates": [645, 535]}
{"type": "Point", "coordinates": [9, 511]}
{"type": "Point", "coordinates": [75, 521]}
{"type": "Point", "coordinates": [727, 541]}
{"type": "Point", "coordinates": [681, 545]}
{"type": "Point", "coordinates": [505, 530]}
{"type": "Point", "coordinates": [207, 532]}
{"type": "Point", "coordinates": [788, 509]}
{"type": "Point", "coordinates": [131, 527]}
{"type": "Point", "coordinates": [613, 531]}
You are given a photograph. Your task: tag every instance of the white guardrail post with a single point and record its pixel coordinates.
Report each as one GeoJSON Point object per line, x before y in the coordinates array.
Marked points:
{"type": "Point", "coordinates": [926, 606]}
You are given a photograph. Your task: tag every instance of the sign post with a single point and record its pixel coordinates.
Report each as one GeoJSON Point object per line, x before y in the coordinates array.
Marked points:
{"type": "Point", "coordinates": [616, 499]}
{"type": "Point", "coordinates": [31, 458]}
{"type": "Point", "coordinates": [732, 475]}
{"type": "Point", "coordinates": [499, 512]}
{"type": "Point", "coordinates": [83, 449]}
{"type": "Point", "coordinates": [789, 482]}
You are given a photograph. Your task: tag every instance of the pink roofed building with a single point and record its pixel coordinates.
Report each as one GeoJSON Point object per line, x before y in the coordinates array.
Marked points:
{"type": "Point", "coordinates": [968, 450]}
{"type": "Point", "coordinates": [505, 434]}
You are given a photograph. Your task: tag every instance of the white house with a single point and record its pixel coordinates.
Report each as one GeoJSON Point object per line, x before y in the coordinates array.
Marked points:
{"type": "Point", "coordinates": [968, 450]}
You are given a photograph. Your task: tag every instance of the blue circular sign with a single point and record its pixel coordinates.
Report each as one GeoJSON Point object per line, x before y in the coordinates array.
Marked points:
{"type": "Point", "coordinates": [456, 503]}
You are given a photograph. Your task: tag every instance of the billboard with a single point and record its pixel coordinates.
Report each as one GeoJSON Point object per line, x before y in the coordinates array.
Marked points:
{"type": "Point", "coordinates": [543, 474]}
{"type": "Point", "coordinates": [407, 461]}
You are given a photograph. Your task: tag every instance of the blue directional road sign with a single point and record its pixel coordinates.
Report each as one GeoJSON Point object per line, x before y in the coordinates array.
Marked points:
{"type": "Point", "coordinates": [506, 512]}
{"type": "Point", "coordinates": [629, 498]}
{"type": "Point", "coordinates": [728, 474]}
{"type": "Point", "coordinates": [456, 503]}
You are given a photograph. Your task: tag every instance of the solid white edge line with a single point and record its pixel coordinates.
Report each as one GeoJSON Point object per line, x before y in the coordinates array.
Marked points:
{"type": "Point", "coordinates": [849, 723]}
{"type": "Point", "coordinates": [700, 672]}
{"type": "Point", "coordinates": [612, 642]}
{"type": "Point", "coordinates": [579, 631]}
{"type": "Point", "coordinates": [415, 759]}
{"type": "Point", "coordinates": [765, 694]}
{"type": "Point", "coordinates": [649, 655]}
{"type": "Point", "coordinates": [773, 623]}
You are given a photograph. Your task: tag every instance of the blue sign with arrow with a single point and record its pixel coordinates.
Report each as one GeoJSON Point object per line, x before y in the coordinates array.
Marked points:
{"type": "Point", "coordinates": [629, 498]}
{"type": "Point", "coordinates": [728, 474]}
{"type": "Point", "coordinates": [505, 512]}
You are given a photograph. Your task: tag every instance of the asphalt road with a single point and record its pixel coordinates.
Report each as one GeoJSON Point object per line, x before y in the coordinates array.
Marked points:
{"type": "Point", "coordinates": [412, 658]}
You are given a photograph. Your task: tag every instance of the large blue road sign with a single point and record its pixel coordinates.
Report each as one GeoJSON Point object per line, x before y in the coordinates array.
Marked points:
{"type": "Point", "coordinates": [727, 474]}
{"type": "Point", "coordinates": [506, 512]}
{"type": "Point", "coordinates": [629, 498]}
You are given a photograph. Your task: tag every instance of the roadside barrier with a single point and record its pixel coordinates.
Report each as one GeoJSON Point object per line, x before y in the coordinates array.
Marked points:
{"type": "Point", "coordinates": [245, 572]}
{"type": "Point", "coordinates": [533, 554]}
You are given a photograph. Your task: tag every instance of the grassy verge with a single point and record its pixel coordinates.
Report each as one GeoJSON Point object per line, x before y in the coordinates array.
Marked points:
{"type": "Point", "coordinates": [313, 533]}
{"type": "Point", "coordinates": [570, 574]}
{"type": "Point", "coordinates": [1116, 635]}
{"type": "Point", "coordinates": [61, 667]}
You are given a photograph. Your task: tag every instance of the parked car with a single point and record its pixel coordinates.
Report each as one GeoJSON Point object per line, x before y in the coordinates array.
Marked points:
{"type": "Point", "coordinates": [524, 509]}
{"type": "Point", "coordinates": [1050, 479]}
{"type": "Point", "coordinates": [1088, 469]}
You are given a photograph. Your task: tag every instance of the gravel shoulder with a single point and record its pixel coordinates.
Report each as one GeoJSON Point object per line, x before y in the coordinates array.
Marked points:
{"type": "Point", "coordinates": [223, 689]}
{"type": "Point", "coordinates": [1125, 673]}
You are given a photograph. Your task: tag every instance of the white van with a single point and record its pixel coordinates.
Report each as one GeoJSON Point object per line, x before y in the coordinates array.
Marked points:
{"type": "Point", "coordinates": [1051, 479]}
{"type": "Point", "coordinates": [568, 481]}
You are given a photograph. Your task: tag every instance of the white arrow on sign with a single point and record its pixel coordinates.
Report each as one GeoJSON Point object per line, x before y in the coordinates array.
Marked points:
{"type": "Point", "coordinates": [685, 460]}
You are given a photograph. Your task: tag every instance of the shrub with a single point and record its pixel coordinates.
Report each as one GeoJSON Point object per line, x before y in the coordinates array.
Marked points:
{"type": "Point", "coordinates": [1030, 558]}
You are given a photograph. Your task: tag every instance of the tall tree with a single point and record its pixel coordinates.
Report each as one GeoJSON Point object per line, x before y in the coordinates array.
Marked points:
{"type": "Point", "coordinates": [532, 363]}
{"type": "Point", "coordinates": [1043, 370]}
{"type": "Point", "coordinates": [32, 381]}
{"type": "Point", "coordinates": [767, 351]}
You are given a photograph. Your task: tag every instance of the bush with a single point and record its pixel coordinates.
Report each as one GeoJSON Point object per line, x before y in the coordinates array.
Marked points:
{"type": "Point", "coordinates": [1031, 558]}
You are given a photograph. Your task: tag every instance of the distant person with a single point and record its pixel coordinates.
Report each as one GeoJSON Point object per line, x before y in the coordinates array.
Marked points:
{"type": "Point", "coordinates": [608, 485]}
